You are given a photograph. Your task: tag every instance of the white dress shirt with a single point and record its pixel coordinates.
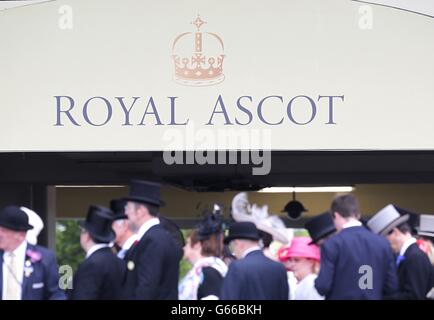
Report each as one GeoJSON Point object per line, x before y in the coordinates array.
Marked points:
{"type": "Point", "coordinates": [20, 257]}
{"type": "Point", "coordinates": [96, 247]}
{"type": "Point", "coordinates": [353, 223]}
{"type": "Point", "coordinates": [127, 245]}
{"type": "Point", "coordinates": [146, 226]}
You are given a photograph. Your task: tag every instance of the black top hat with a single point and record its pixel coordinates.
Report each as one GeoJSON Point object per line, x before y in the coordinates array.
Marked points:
{"type": "Point", "coordinates": [118, 208]}
{"type": "Point", "coordinates": [99, 224]}
{"type": "Point", "coordinates": [242, 230]}
{"type": "Point", "coordinates": [294, 209]}
{"type": "Point", "coordinates": [320, 226]}
{"type": "Point", "coordinates": [145, 192]}
{"type": "Point", "coordinates": [13, 218]}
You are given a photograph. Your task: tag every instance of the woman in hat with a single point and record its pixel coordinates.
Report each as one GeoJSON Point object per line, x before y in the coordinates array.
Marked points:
{"type": "Point", "coordinates": [203, 250]}
{"type": "Point", "coordinates": [302, 258]}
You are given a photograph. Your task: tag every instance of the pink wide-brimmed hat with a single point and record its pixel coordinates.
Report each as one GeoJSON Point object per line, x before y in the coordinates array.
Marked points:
{"type": "Point", "coordinates": [299, 248]}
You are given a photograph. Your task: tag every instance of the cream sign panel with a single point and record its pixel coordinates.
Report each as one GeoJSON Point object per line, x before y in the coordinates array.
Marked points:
{"type": "Point", "coordinates": [178, 75]}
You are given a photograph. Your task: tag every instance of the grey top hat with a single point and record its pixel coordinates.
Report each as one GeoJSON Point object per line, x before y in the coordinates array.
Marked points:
{"type": "Point", "coordinates": [385, 220]}
{"type": "Point", "coordinates": [426, 225]}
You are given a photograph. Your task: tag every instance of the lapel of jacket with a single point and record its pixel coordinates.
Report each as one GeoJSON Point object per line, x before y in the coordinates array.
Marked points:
{"type": "Point", "coordinates": [129, 252]}
{"type": "Point", "coordinates": [32, 270]}
{"type": "Point", "coordinates": [410, 248]}
{"type": "Point", "coordinates": [406, 254]}
{"type": "Point", "coordinates": [25, 280]}
{"type": "Point", "coordinates": [1, 275]}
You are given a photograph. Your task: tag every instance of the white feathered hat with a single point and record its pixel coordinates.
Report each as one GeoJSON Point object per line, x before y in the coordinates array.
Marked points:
{"type": "Point", "coordinates": [36, 222]}
{"type": "Point", "coordinates": [243, 211]}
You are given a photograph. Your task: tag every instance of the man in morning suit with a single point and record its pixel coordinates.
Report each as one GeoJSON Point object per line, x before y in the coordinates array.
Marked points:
{"type": "Point", "coordinates": [100, 275]}
{"type": "Point", "coordinates": [28, 272]}
{"type": "Point", "coordinates": [253, 276]}
{"type": "Point", "coordinates": [355, 263]}
{"type": "Point", "coordinates": [415, 272]}
{"type": "Point", "coordinates": [153, 263]}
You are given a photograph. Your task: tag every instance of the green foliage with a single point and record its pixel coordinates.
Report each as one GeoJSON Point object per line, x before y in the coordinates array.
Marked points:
{"type": "Point", "coordinates": [301, 233]}
{"type": "Point", "coordinates": [68, 249]}
{"type": "Point", "coordinates": [184, 265]}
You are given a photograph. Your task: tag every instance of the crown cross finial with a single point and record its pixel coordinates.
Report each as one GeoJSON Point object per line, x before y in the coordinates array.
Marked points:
{"type": "Point", "coordinates": [198, 22]}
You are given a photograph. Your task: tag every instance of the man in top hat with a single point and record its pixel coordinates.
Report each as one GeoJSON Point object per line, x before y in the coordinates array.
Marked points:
{"type": "Point", "coordinates": [28, 272]}
{"type": "Point", "coordinates": [153, 265]}
{"type": "Point", "coordinates": [320, 228]}
{"type": "Point", "coordinates": [123, 228]}
{"type": "Point", "coordinates": [100, 275]}
{"type": "Point", "coordinates": [415, 272]}
{"type": "Point", "coordinates": [355, 263]}
{"type": "Point", "coordinates": [253, 276]}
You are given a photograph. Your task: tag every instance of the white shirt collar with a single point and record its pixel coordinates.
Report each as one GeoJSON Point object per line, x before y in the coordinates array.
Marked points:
{"type": "Point", "coordinates": [146, 226]}
{"type": "Point", "coordinates": [406, 244]}
{"type": "Point", "coordinates": [96, 247]}
{"type": "Point", "coordinates": [127, 245]}
{"type": "Point", "coordinates": [353, 223]}
{"type": "Point", "coordinates": [245, 253]}
{"type": "Point", "coordinates": [20, 251]}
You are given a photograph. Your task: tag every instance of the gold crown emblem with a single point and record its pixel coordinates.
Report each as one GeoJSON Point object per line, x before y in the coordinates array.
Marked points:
{"type": "Point", "coordinates": [202, 66]}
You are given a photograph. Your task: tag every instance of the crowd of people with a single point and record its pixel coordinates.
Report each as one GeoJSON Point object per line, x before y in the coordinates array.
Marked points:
{"type": "Point", "coordinates": [133, 252]}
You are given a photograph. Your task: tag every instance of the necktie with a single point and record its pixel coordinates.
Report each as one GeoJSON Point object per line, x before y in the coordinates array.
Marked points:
{"type": "Point", "coordinates": [399, 259]}
{"type": "Point", "coordinates": [12, 283]}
